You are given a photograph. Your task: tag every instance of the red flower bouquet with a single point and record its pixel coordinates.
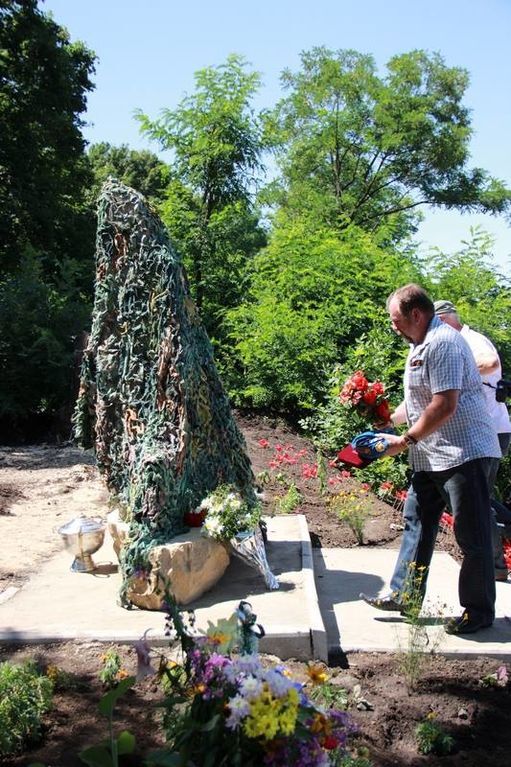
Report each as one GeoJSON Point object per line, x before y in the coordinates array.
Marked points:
{"type": "Point", "coordinates": [367, 397]}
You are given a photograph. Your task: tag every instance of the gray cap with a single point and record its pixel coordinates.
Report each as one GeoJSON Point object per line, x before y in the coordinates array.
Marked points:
{"type": "Point", "coordinates": [444, 307]}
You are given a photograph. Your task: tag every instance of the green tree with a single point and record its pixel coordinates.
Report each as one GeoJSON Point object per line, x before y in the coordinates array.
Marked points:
{"type": "Point", "coordinates": [313, 295]}
{"type": "Point", "coordinates": [359, 148]}
{"type": "Point", "coordinates": [216, 143]}
{"type": "Point", "coordinates": [470, 279]}
{"type": "Point", "coordinates": [44, 81]}
{"type": "Point", "coordinates": [140, 169]}
{"type": "Point", "coordinates": [46, 231]}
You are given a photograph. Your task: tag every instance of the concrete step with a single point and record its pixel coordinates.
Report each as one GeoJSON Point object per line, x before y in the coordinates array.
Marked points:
{"type": "Point", "coordinates": [57, 604]}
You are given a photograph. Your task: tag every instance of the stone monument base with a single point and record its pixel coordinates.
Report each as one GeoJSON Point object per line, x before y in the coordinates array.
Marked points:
{"type": "Point", "coordinates": [187, 566]}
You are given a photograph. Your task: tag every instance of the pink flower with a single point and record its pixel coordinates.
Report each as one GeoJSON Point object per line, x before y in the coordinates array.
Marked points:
{"type": "Point", "coordinates": [309, 471]}
{"type": "Point", "coordinates": [345, 474]}
{"type": "Point", "coordinates": [263, 443]}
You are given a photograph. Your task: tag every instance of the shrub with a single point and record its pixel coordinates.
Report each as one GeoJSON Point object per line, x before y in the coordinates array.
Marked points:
{"type": "Point", "coordinates": [25, 695]}
{"type": "Point", "coordinates": [286, 504]}
{"type": "Point", "coordinates": [431, 739]}
{"type": "Point", "coordinates": [353, 507]}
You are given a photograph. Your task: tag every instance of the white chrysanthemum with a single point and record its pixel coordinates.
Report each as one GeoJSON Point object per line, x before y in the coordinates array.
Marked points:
{"type": "Point", "coordinates": [239, 707]}
{"type": "Point", "coordinates": [213, 526]}
{"type": "Point", "coordinates": [251, 688]}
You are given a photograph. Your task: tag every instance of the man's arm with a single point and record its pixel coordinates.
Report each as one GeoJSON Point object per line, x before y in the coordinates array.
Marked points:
{"type": "Point", "coordinates": [439, 410]}
{"type": "Point", "coordinates": [399, 414]}
{"type": "Point", "coordinates": [487, 362]}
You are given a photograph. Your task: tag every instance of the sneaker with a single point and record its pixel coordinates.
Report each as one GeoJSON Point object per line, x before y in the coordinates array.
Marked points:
{"type": "Point", "coordinates": [388, 603]}
{"type": "Point", "coordinates": [465, 624]}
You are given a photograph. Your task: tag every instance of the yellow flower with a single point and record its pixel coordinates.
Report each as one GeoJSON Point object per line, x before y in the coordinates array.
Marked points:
{"type": "Point", "coordinates": [223, 633]}
{"type": "Point", "coordinates": [316, 673]}
{"type": "Point", "coordinates": [52, 672]}
{"type": "Point", "coordinates": [320, 724]}
{"type": "Point", "coordinates": [270, 716]}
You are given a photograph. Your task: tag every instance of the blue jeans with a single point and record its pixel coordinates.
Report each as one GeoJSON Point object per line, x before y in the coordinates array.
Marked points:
{"type": "Point", "coordinates": [465, 491]}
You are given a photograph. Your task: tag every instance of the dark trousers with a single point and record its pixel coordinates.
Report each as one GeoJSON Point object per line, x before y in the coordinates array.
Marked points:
{"type": "Point", "coordinates": [464, 489]}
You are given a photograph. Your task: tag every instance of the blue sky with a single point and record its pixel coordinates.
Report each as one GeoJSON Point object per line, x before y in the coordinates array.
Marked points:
{"type": "Point", "coordinates": [148, 53]}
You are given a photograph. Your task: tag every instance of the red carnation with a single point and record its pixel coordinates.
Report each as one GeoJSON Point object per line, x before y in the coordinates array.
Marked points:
{"type": "Point", "coordinates": [369, 397]}
{"type": "Point", "coordinates": [359, 380]}
{"type": "Point", "coordinates": [382, 411]}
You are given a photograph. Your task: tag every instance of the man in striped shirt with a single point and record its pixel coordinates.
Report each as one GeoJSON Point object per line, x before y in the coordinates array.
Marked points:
{"type": "Point", "coordinates": [450, 441]}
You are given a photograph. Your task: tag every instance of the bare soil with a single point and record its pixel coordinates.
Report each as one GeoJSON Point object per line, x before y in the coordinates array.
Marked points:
{"type": "Point", "coordinates": [44, 486]}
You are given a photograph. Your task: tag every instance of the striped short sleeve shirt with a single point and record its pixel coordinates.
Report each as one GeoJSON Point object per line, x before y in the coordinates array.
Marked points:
{"type": "Point", "coordinates": [441, 362]}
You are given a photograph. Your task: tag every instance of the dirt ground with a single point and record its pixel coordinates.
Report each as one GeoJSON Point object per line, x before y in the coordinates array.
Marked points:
{"type": "Point", "coordinates": [42, 487]}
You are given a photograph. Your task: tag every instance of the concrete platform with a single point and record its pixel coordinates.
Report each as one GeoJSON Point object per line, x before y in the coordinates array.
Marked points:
{"type": "Point", "coordinates": [317, 613]}
{"type": "Point", "coordinates": [351, 624]}
{"type": "Point", "coordinates": [57, 604]}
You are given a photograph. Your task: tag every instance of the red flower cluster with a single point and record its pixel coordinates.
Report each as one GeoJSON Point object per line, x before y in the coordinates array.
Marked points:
{"type": "Point", "coordinates": [366, 396]}
{"type": "Point", "coordinates": [506, 545]}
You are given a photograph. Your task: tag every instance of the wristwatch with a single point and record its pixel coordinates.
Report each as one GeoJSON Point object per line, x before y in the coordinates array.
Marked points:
{"type": "Point", "coordinates": [409, 439]}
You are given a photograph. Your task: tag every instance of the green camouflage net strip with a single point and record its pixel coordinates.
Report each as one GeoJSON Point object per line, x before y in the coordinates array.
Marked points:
{"type": "Point", "coordinates": [151, 401]}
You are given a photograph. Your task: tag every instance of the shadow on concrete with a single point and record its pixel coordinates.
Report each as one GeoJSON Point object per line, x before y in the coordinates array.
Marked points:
{"type": "Point", "coordinates": [336, 587]}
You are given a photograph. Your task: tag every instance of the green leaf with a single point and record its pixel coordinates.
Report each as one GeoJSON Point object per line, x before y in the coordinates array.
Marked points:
{"type": "Point", "coordinates": [96, 756]}
{"type": "Point", "coordinates": [125, 742]}
{"type": "Point", "coordinates": [210, 724]}
{"type": "Point", "coordinates": [164, 758]}
{"type": "Point", "coordinates": [108, 701]}
{"type": "Point", "coordinates": [210, 760]}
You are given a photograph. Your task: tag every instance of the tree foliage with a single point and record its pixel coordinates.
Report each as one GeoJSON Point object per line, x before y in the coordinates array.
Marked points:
{"type": "Point", "coordinates": [313, 295]}
{"type": "Point", "coordinates": [46, 231]}
{"type": "Point", "coordinates": [140, 169]}
{"type": "Point", "coordinates": [215, 139]}
{"type": "Point", "coordinates": [44, 81]}
{"type": "Point", "coordinates": [362, 148]}
{"type": "Point", "coordinates": [480, 293]}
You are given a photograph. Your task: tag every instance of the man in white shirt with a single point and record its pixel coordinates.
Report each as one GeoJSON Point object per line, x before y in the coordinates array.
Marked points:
{"type": "Point", "coordinates": [488, 364]}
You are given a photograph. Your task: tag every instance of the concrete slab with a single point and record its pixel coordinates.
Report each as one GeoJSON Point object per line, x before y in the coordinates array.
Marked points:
{"type": "Point", "coordinates": [351, 624]}
{"type": "Point", "coordinates": [57, 604]}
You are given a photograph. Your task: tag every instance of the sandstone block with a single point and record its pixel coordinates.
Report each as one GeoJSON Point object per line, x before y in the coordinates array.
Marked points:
{"type": "Point", "coordinates": [190, 564]}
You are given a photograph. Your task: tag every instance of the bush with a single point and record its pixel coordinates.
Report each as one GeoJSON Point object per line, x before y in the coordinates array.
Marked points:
{"type": "Point", "coordinates": [431, 739]}
{"type": "Point", "coordinates": [313, 295]}
{"type": "Point", "coordinates": [25, 696]}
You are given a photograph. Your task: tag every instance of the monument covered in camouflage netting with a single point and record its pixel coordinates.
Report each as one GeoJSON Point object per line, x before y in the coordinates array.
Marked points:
{"type": "Point", "coordinates": [151, 401]}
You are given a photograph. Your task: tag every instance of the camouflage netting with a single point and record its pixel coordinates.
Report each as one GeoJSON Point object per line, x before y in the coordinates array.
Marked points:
{"type": "Point", "coordinates": [151, 401]}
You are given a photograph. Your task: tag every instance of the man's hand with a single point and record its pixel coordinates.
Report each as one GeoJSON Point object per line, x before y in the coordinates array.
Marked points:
{"type": "Point", "coordinates": [397, 444]}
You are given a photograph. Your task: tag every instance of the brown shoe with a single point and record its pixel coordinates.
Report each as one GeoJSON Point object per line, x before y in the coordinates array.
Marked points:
{"type": "Point", "coordinates": [501, 575]}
